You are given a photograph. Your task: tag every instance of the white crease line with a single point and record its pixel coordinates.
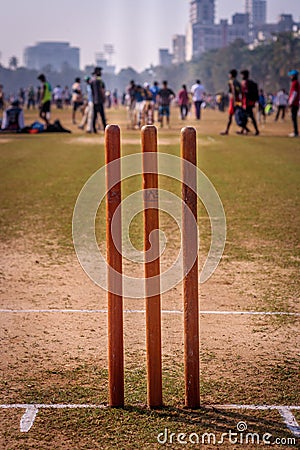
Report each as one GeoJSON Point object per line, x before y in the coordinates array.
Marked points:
{"type": "Point", "coordinates": [142, 311]}
{"type": "Point", "coordinates": [29, 416]}
{"type": "Point", "coordinates": [258, 407]}
{"type": "Point", "coordinates": [290, 421]}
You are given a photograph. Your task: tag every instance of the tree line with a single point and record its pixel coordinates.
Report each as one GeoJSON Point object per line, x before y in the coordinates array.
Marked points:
{"type": "Point", "coordinates": [268, 64]}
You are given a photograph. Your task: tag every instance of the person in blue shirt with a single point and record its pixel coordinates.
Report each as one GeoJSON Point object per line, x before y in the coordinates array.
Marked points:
{"type": "Point", "coordinates": [155, 91]}
{"type": "Point", "coordinates": [261, 106]}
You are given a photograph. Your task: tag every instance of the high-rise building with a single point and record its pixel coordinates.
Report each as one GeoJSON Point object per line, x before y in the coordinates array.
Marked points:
{"type": "Point", "coordinates": [204, 34]}
{"type": "Point", "coordinates": [202, 12]}
{"type": "Point", "coordinates": [257, 10]}
{"type": "Point", "coordinates": [165, 57]}
{"type": "Point", "coordinates": [51, 54]}
{"type": "Point", "coordinates": [178, 43]}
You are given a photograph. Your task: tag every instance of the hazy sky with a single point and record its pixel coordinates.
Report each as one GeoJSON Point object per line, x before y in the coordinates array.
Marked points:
{"type": "Point", "coordinates": [136, 28]}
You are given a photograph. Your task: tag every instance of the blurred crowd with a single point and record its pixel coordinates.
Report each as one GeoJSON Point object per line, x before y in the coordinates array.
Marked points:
{"type": "Point", "coordinates": [149, 103]}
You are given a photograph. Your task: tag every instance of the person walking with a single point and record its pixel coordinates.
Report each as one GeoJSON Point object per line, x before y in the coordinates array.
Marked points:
{"type": "Point", "coordinates": [293, 102]}
{"type": "Point", "coordinates": [249, 97]}
{"type": "Point", "coordinates": [98, 94]}
{"type": "Point", "coordinates": [165, 97]}
{"type": "Point", "coordinates": [197, 91]}
{"type": "Point", "coordinates": [235, 98]}
{"type": "Point", "coordinates": [183, 101]}
{"type": "Point", "coordinates": [45, 99]}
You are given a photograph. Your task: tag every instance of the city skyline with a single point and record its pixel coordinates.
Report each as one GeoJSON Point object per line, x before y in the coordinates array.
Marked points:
{"type": "Point", "coordinates": [135, 29]}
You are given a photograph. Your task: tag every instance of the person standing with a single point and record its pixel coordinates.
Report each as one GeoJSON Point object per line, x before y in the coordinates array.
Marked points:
{"type": "Point", "coordinates": [38, 95]}
{"type": "Point", "coordinates": [77, 98]}
{"type": "Point", "coordinates": [2, 105]}
{"type": "Point", "coordinates": [58, 97]}
{"type": "Point", "coordinates": [165, 97]}
{"type": "Point", "coordinates": [98, 94]}
{"type": "Point", "coordinates": [281, 102]}
{"type": "Point", "coordinates": [261, 106]}
{"type": "Point", "coordinates": [130, 103]}
{"type": "Point", "coordinates": [249, 97]}
{"type": "Point", "coordinates": [183, 102]}
{"type": "Point", "coordinates": [148, 110]}
{"type": "Point", "coordinates": [155, 90]}
{"type": "Point", "coordinates": [66, 96]}
{"type": "Point", "coordinates": [46, 97]}
{"type": "Point", "coordinates": [87, 118]}
{"type": "Point", "coordinates": [139, 106]}
{"type": "Point", "coordinates": [235, 97]}
{"type": "Point", "coordinates": [294, 98]}
{"type": "Point", "coordinates": [197, 91]}
{"type": "Point", "coordinates": [115, 98]}
{"type": "Point", "coordinates": [31, 97]}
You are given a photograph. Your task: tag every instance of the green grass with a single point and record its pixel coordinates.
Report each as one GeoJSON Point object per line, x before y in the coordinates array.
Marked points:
{"type": "Point", "coordinates": [258, 182]}
{"type": "Point", "coordinates": [135, 426]}
{"type": "Point", "coordinates": [41, 177]}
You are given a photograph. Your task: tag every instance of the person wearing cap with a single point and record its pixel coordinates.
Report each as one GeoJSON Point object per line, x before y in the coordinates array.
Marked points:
{"type": "Point", "coordinates": [98, 93]}
{"type": "Point", "coordinates": [294, 98]}
{"type": "Point", "coordinates": [88, 114]}
{"type": "Point", "coordinates": [13, 117]}
{"type": "Point", "coordinates": [45, 101]}
{"type": "Point", "coordinates": [248, 102]}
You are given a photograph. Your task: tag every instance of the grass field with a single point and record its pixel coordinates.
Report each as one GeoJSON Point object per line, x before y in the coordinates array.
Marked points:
{"type": "Point", "coordinates": [60, 358]}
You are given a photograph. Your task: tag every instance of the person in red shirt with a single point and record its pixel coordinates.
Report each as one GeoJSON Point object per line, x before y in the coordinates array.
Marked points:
{"type": "Point", "coordinates": [294, 98]}
{"type": "Point", "coordinates": [235, 100]}
{"type": "Point", "coordinates": [183, 101]}
{"type": "Point", "coordinates": [248, 103]}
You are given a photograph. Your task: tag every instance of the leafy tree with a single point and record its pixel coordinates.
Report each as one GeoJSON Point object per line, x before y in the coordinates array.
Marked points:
{"type": "Point", "coordinates": [13, 62]}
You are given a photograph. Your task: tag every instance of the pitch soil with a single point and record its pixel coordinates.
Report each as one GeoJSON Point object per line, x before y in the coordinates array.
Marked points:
{"type": "Point", "coordinates": [61, 357]}
{"type": "Point", "coordinates": [233, 347]}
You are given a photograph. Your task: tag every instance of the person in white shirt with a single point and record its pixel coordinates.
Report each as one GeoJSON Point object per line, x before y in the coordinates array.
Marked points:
{"type": "Point", "coordinates": [197, 91]}
{"type": "Point", "coordinates": [58, 96]}
{"type": "Point", "coordinates": [281, 102]}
